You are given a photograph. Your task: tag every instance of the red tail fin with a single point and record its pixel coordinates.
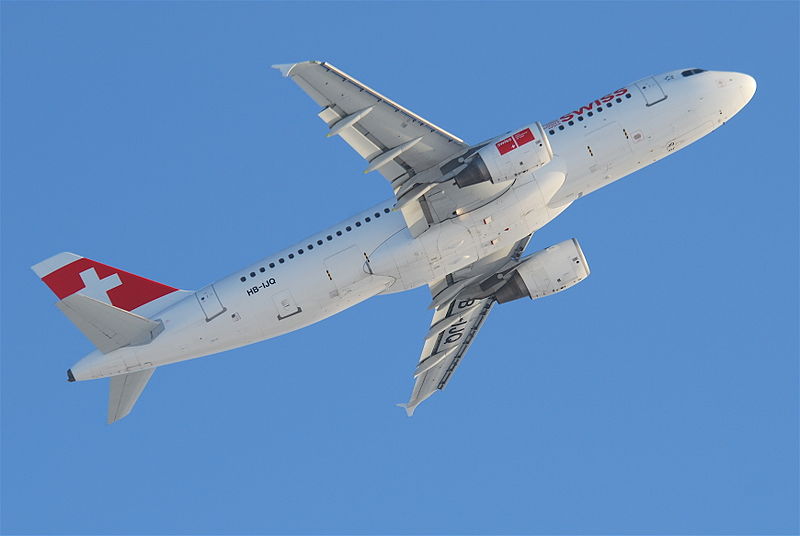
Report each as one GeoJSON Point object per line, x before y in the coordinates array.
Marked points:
{"type": "Point", "coordinates": [67, 273]}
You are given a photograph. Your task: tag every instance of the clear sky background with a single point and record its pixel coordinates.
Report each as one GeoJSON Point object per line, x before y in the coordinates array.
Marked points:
{"type": "Point", "coordinates": [658, 396]}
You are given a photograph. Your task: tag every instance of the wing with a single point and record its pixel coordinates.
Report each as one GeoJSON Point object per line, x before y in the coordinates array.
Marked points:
{"type": "Point", "coordinates": [461, 310]}
{"type": "Point", "coordinates": [373, 125]}
{"type": "Point", "coordinates": [414, 155]}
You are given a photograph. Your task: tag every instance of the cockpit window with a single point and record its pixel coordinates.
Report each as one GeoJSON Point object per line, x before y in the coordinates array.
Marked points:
{"type": "Point", "coordinates": [690, 72]}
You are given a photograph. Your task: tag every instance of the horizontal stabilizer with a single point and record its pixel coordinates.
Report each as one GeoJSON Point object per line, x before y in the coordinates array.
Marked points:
{"type": "Point", "coordinates": [108, 327]}
{"type": "Point", "coordinates": [124, 391]}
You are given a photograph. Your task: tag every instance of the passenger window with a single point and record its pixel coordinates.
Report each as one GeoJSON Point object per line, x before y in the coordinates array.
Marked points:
{"type": "Point", "coordinates": [319, 242]}
{"type": "Point", "coordinates": [272, 265]}
{"type": "Point", "coordinates": [571, 123]}
{"type": "Point", "coordinates": [386, 210]}
{"type": "Point", "coordinates": [252, 274]}
{"type": "Point", "coordinates": [358, 224]}
{"type": "Point", "coordinates": [580, 118]}
{"type": "Point", "coordinates": [281, 260]}
{"type": "Point", "coordinates": [377, 214]}
{"type": "Point", "coordinates": [262, 269]}
{"type": "Point", "coordinates": [552, 132]}
{"type": "Point", "coordinates": [348, 228]}
{"type": "Point", "coordinates": [560, 127]}
{"type": "Point", "coordinates": [367, 219]}
{"type": "Point", "coordinates": [291, 255]}
{"type": "Point", "coordinates": [338, 233]}
{"type": "Point", "coordinates": [329, 237]}
{"type": "Point", "coordinates": [243, 278]}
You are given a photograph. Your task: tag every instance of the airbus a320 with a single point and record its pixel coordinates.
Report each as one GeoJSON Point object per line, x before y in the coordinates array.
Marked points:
{"type": "Point", "coordinates": [459, 222]}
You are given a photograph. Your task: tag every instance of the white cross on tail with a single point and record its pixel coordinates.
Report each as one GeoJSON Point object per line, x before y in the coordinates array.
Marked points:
{"type": "Point", "coordinates": [98, 288]}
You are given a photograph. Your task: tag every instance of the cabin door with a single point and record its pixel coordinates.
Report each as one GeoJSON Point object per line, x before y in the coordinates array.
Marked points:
{"type": "Point", "coordinates": [209, 302]}
{"type": "Point", "coordinates": [652, 92]}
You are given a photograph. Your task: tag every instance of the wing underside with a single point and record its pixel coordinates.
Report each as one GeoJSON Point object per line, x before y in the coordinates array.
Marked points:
{"type": "Point", "coordinates": [444, 349]}
{"type": "Point", "coordinates": [461, 310]}
{"type": "Point", "coordinates": [417, 157]}
{"type": "Point", "coordinates": [372, 123]}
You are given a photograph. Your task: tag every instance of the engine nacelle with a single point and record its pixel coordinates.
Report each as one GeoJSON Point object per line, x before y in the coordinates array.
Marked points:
{"type": "Point", "coordinates": [546, 272]}
{"type": "Point", "coordinates": [506, 159]}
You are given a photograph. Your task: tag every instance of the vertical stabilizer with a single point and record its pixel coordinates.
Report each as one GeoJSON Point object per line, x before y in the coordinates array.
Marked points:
{"type": "Point", "coordinates": [67, 274]}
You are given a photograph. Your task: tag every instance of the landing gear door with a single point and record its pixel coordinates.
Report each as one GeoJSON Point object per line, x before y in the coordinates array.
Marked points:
{"type": "Point", "coordinates": [652, 92]}
{"type": "Point", "coordinates": [209, 302]}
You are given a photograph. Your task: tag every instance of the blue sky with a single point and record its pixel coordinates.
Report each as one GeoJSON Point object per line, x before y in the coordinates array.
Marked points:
{"type": "Point", "coordinates": [660, 396]}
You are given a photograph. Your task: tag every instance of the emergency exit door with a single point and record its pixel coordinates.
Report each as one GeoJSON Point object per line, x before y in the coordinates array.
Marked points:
{"type": "Point", "coordinates": [652, 92]}
{"type": "Point", "coordinates": [209, 302]}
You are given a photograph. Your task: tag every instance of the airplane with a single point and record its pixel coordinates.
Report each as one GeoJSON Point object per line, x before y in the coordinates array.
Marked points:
{"type": "Point", "coordinates": [459, 222]}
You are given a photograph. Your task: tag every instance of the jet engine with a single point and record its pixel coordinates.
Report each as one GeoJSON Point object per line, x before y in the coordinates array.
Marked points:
{"type": "Point", "coordinates": [546, 272]}
{"type": "Point", "coordinates": [508, 157]}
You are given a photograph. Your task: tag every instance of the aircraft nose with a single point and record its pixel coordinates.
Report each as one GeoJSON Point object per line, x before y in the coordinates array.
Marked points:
{"type": "Point", "coordinates": [734, 90]}
{"type": "Point", "coordinates": [747, 86]}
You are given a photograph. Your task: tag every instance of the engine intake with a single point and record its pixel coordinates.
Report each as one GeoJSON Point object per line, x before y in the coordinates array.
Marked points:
{"type": "Point", "coordinates": [546, 272]}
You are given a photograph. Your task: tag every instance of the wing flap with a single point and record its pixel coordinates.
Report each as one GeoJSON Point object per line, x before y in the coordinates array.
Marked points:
{"type": "Point", "coordinates": [355, 139]}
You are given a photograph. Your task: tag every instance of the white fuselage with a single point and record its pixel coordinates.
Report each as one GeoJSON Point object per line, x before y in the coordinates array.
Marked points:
{"type": "Point", "coordinates": [373, 252]}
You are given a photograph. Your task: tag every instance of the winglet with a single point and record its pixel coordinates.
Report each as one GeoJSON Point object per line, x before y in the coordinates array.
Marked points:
{"type": "Point", "coordinates": [409, 409]}
{"type": "Point", "coordinates": [285, 68]}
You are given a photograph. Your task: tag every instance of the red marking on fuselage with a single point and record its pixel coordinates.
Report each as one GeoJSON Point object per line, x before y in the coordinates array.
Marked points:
{"type": "Point", "coordinates": [590, 106]}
